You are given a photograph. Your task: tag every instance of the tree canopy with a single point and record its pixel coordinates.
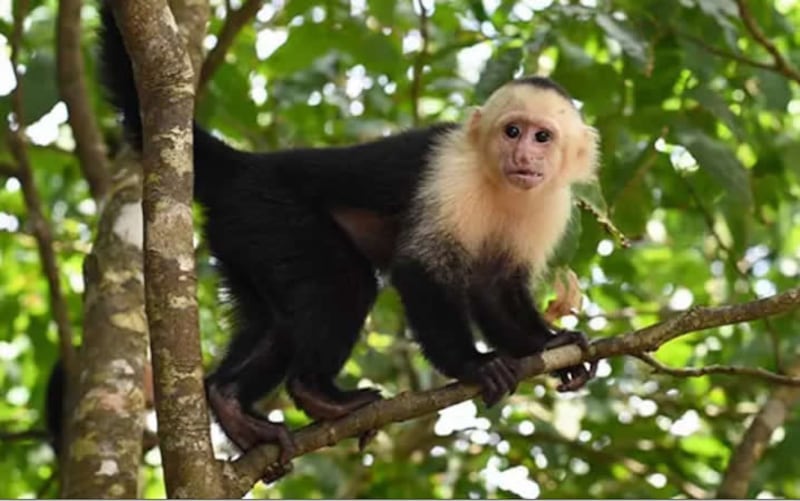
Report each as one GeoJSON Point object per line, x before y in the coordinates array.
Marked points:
{"type": "Point", "coordinates": [697, 103]}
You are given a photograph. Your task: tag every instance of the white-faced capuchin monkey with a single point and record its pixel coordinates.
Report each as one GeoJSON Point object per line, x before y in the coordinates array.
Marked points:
{"type": "Point", "coordinates": [460, 216]}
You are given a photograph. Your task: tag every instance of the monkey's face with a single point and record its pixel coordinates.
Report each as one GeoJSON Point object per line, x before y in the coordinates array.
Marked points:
{"type": "Point", "coordinates": [527, 150]}
{"type": "Point", "coordinates": [533, 138]}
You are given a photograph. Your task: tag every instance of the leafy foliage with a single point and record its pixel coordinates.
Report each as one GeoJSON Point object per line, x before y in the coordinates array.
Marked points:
{"type": "Point", "coordinates": [700, 172]}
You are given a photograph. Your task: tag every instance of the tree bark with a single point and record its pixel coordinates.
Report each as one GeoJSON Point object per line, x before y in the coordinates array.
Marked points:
{"type": "Point", "coordinates": [106, 425]}
{"type": "Point", "coordinates": [165, 84]}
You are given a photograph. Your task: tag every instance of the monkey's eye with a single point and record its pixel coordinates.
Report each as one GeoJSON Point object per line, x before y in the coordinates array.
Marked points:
{"type": "Point", "coordinates": [512, 131]}
{"type": "Point", "coordinates": [543, 136]}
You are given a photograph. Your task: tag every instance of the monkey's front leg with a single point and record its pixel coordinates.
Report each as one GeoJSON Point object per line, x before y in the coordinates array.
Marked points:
{"type": "Point", "coordinates": [438, 316]}
{"type": "Point", "coordinates": [507, 315]}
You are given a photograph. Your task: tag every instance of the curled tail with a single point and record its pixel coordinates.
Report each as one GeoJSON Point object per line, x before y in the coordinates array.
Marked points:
{"type": "Point", "coordinates": [215, 163]}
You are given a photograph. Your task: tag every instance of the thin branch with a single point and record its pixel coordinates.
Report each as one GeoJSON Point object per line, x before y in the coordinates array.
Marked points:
{"type": "Point", "coordinates": [753, 372]}
{"type": "Point", "coordinates": [34, 434]}
{"type": "Point", "coordinates": [89, 144]}
{"type": "Point", "coordinates": [780, 63]}
{"type": "Point", "coordinates": [727, 55]}
{"type": "Point", "coordinates": [751, 448]}
{"type": "Point", "coordinates": [244, 472]}
{"type": "Point", "coordinates": [39, 224]}
{"type": "Point", "coordinates": [235, 21]}
{"type": "Point", "coordinates": [419, 62]}
{"type": "Point", "coordinates": [8, 170]}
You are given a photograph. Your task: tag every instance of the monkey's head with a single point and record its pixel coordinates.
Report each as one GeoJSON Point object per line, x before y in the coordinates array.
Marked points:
{"type": "Point", "coordinates": [532, 136]}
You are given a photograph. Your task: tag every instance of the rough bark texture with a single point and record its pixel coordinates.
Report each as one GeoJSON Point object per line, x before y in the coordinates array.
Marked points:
{"type": "Point", "coordinates": [242, 474]}
{"type": "Point", "coordinates": [192, 16]}
{"type": "Point", "coordinates": [165, 83]}
{"type": "Point", "coordinates": [755, 441]}
{"type": "Point", "coordinates": [105, 430]}
{"type": "Point", "coordinates": [89, 145]}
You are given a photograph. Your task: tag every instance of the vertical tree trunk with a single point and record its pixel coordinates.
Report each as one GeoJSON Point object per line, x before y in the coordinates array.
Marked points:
{"type": "Point", "coordinates": [165, 83]}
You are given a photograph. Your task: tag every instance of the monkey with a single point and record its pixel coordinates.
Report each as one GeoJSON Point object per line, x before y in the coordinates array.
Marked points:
{"type": "Point", "coordinates": [461, 217]}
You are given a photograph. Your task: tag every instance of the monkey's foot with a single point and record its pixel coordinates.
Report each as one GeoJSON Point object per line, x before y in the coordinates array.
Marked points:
{"type": "Point", "coordinates": [497, 375]}
{"type": "Point", "coordinates": [575, 377]}
{"type": "Point", "coordinates": [247, 431]}
{"type": "Point", "coordinates": [275, 471]}
{"type": "Point", "coordinates": [326, 402]}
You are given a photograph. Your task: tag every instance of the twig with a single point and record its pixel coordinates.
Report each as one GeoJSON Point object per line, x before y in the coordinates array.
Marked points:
{"type": "Point", "coordinates": [753, 372]}
{"type": "Point", "coordinates": [419, 62]}
{"type": "Point", "coordinates": [244, 472]}
{"type": "Point", "coordinates": [8, 170]}
{"type": "Point", "coordinates": [13, 436]}
{"type": "Point", "coordinates": [89, 144]}
{"type": "Point", "coordinates": [604, 221]}
{"type": "Point", "coordinates": [39, 224]}
{"type": "Point", "coordinates": [235, 21]}
{"type": "Point", "coordinates": [780, 63]}
{"type": "Point", "coordinates": [727, 55]}
{"type": "Point", "coordinates": [751, 448]}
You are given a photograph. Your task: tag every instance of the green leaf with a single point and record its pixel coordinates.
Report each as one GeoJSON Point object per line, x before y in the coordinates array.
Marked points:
{"type": "Point", "coordinates": [720, 163]}
{"type": "Point", "coordinates": [630, 41]}
{"type": "Point", "coordinates": [39, 84]}
{"type": "Point", "coordinates": [718, 107]}
{"type": "Point", "coordinates": [383, 11]}
{"type": "Point", "coordinates": [498, 70]}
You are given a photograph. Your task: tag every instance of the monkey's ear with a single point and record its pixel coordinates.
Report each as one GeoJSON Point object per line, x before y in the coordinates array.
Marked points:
{"type": "Point", "coordinates": [583, 158]}
{"type": "Point", "coordinates": [474, 125]}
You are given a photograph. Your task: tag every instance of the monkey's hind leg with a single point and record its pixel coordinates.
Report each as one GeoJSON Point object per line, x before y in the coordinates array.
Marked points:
{"type": "Point", "coordinates": [329, 312]}
{"type": "Point", "coordinates": [255, 363]}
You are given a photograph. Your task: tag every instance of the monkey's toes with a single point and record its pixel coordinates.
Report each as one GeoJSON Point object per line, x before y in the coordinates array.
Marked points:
{"type": "Point", "coordinates": [275, 471]}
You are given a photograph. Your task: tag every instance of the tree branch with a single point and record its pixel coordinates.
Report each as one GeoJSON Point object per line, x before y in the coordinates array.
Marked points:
{"type": "Point", "coordinates": [779, 62]}
{"type": "Point", "coordinates": [39, 224]}
{"type": "Point", "coordinates": [728, 55]}
{"type": "Point", "coordinates": [245, 471]}
{"type": "Point", "coordinates": [89, 145]}
{"type": "Point", "coordinates": [772, 414]}
{"type": "Point", "coordinates": [753, 372]}
{"type": "Point", "coordinates": [235, 21]}
{"type": "Point", "coordinates": [33, 434]}
{"type": "Point", "coordinates": [8, 169]}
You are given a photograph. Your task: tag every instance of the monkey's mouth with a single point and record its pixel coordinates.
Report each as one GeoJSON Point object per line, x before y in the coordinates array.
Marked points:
{"type": "Point", "coordinates": [525, 178]}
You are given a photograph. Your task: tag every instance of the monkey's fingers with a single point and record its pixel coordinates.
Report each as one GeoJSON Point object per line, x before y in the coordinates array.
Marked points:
{"type": "Point", "coordinates": [575, 377]}
{"type": "Point", "coordinates": [564, 337]}
{"type": "Point", "coordinates": [275, 471]}
{"type": "Point", "coordinates": [498, 376]}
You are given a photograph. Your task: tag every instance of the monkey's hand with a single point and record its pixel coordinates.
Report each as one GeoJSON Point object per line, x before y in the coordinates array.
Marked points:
{"type": "Point", "coordinates": [575, 377]}
{"type": "Point", "coordinates": [497, 375]}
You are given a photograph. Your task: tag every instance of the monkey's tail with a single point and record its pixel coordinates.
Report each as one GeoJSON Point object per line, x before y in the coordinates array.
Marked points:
{"type": "Point", "coordinates": [215, 163]}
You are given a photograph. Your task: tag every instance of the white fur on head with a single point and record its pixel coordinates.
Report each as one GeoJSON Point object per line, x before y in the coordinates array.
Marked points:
{"type": "Point", "coordinates": [464, 194]}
